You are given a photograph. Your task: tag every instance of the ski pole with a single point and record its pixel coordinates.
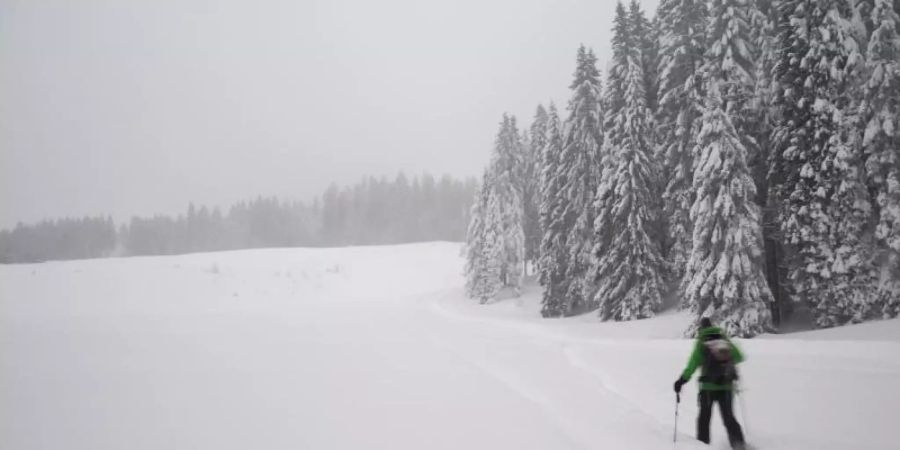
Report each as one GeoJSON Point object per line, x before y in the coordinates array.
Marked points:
{"type": "Point", "coordinates": [677, 401]}
{"type": "Point", "coordinates": [740, 395]}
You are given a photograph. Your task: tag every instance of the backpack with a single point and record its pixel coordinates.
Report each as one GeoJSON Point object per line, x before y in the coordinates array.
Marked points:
{"type": "Point", "coordinates": [718, 361]}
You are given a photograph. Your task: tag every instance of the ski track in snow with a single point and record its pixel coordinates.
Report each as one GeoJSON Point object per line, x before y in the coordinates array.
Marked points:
{"type": "Point", "coordinates": [376, 348]}
{"type": "Point", "coordinates": [514, 382]}
{"type": "Point", "coordinates": [597, 383]}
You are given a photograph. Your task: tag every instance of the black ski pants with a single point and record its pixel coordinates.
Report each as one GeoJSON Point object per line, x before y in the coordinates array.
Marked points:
{"type": "Point", "coordinates": [725, 400]}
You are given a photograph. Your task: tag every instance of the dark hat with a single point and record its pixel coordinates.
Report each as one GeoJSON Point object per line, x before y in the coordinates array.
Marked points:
{"type": "Point", "coordinates": [705, 322]}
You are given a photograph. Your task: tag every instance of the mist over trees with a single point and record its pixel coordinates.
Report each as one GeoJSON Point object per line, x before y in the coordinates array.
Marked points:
{"type": "Point", "coordinates": [89, 237]}
{"type": "Point", "coordinates": [742, 162]}
{"type": "Point", "coordinates": [373, 211]}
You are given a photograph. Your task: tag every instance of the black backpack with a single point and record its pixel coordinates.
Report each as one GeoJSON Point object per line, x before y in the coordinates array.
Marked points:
{"type": "Point", "coordinates": [718, 361]}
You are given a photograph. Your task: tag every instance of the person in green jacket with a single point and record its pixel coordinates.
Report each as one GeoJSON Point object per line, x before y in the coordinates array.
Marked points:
{"type": "Point", "coordinates": [717, 357]}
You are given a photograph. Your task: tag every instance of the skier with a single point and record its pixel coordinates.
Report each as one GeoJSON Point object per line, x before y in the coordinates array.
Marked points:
{"type": "Point", "coordinates": [717, 356]}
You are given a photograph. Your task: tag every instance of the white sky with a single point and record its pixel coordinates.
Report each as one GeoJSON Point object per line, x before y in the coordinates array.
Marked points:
{"type": "Point", "coordinates": [130, 107]}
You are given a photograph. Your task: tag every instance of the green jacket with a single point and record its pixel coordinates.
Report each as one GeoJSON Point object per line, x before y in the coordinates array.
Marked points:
{"type": "Point", "coordinates": [698, 355]}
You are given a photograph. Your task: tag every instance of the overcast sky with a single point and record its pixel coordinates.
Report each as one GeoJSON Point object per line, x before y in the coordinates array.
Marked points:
{"type": "Point", "coordinates": [128, 107]}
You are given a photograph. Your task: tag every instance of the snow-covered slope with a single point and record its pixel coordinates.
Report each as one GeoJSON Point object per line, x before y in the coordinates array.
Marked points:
{"type": "Point", "coordinates": [375, 348]}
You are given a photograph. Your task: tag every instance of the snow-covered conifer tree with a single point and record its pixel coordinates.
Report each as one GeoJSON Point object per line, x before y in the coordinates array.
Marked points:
{"type": "Point", "coordinates": [579, 167]}
{"type": "Point", "coordinates": [554, 255]}
{"type": "Point", "coordinates": [761, 116]}
{"type": "Point", "coordinates": [725, 279]}
{"type": "Point", "coordinates": [646, 33]}
{"type": "Point", "coordinates": [683, 43]}
{"type": "Point", "coordinates": [815, 170]}
{"type": "Point", "coordinates": [627, 268]}
{"type": "Point", "coordinates": [881, 143]}
{"type": "Point", "coordinates": [533, 145]}
{"type": "Point", "coordinates": [760, 120]}
{"type": "Point", "coordinates": [496, 241]}
{"type": "Point", "coordinates": [646, 38]}
{"type": "Point", "coordinates": [491, 261]}
{"type": "Point", "coordinates": [613, 98]}
{"type": "Point", "coordinates": [506, 172]}
{"type": "Point", "coordinates": [474, 240]}
{"type": "Point", "coordinates": [483, 244]}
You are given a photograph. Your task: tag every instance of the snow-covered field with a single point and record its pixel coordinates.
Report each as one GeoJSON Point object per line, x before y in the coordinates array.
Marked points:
{"type": "Point", "coordinates": [376, 348]}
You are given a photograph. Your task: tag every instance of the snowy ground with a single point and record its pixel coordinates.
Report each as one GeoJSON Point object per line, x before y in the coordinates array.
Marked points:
{"type": "Point", "coordinates": [375, 348]}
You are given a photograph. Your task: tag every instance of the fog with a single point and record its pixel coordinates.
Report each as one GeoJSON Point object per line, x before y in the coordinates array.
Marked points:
{"type": "Point", "coordinates": [139, 107]}
{"type": "Point", "coordinates": [353, 224]}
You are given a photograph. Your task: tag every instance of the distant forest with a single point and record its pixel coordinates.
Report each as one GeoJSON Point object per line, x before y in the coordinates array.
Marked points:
{"type": "Point", "coordinates": [373, 211]}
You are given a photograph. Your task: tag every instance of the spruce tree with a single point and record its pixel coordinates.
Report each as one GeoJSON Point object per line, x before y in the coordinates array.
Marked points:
{"type": "Point", "coordinates": [613, 99]}
{"type": "Point", "coordinates": [627, 271]}
{"type": "Point", "coordinates": [533, 145]}
{"type": "Point", "coordinates": [484, 244]}
{"type": "Point", "coordinates": [725, 279]}
{"type": "Point", "coordinates": [554, 256]}
{"type": "Point", "coordinates": [881, 143]}
{"type": "Point", "coordinates": [815, 170]}
{"type": "Point", "coordinates": [491, 261]}
{"type": "Point", "coordinates": [761, 115]}
{"type": "Point", "coordinates": [506, 173]}
{"type": "Point", "coordinates": [579, 167]}
{"type": "Point", "coordinates": [646, 35]}
{"type": "Point", "coordinates": [475, 237]}
{"type": "Point", "coordinates": [761, 120]}
{"type": "Point", "coordinates": [646, 38]}
{"type": "Point", "coordinates": [683, 42]}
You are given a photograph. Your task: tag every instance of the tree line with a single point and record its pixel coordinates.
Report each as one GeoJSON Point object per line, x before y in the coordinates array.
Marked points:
{"type": "Point", "coordinates": [372, 211]}
{"type": "Point", "coordinates": [742, 161]}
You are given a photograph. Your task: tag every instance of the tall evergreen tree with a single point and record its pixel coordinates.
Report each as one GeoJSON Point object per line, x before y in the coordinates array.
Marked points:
{"type": "Point", "coordinates": [761, 120]}
{"type": "Point", "coordinates": [483, 244]}
{"type": "Point", "coordinates": [682, 26]}
{"type": "Point", "coordinates": [646, 38]}
{"type": "Point", "coordinates": [531, 195]}
{"type": "Point", "coordinates": [554, 255]}
{"type": "Point", "coordinates": [506, 172]}
{"type": "Point", "coordinates": [613, 98]}
{"type": "Point", "coordinates": [646, 34]}
{"type": "Point", "coordinates": [475, 236]}
{"type": "Point", "coordinates": [492, 259]}
{"type": "Point", "coordinates": [815, 172]}
{"type": "Point", "coordinates": [725, 278]}
{"type": "Point", "coordinates": [881, 142]}
{"type": "Point", "coordinates": [758, 117]}
{"type": "Point", "coordinates": [628, 266]}
{"type": "Point", "coordinates": [579, 166]}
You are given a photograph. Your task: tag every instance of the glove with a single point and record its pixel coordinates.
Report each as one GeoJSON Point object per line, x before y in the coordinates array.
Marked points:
{"type": "Point", "coordinates": [678, 384]}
